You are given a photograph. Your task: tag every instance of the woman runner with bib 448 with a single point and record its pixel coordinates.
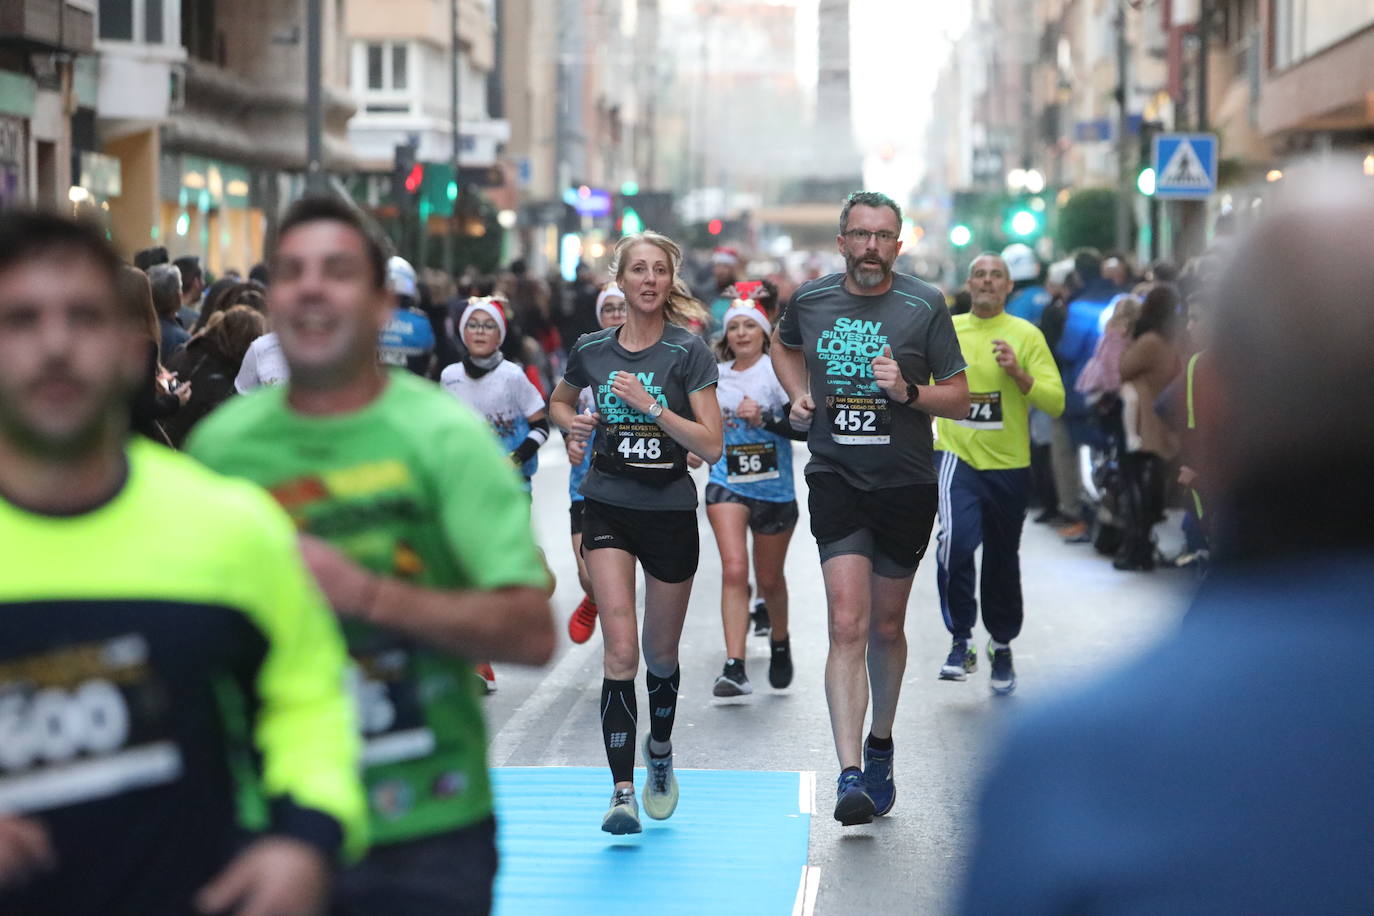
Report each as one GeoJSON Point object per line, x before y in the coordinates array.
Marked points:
{"type": "Point", "coordinates": [654, 386]}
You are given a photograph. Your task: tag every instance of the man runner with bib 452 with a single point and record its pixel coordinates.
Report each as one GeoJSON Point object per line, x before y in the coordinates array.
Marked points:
{"type": "Point", "coordinates": [867, 357]}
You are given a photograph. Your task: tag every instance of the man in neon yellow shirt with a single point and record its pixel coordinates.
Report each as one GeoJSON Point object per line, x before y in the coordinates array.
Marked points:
{"type": "Point", "coordinates": [174, 732]}
{"type": "Point", "coordinates": [985, 471]}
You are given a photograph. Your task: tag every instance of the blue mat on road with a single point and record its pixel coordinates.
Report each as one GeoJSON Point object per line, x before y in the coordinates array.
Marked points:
{"type": "Point", "coordinates": [736, 844]}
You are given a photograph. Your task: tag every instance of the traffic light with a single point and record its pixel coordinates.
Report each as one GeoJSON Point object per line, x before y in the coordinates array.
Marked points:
{"type": "Point", "coordinates": [452, 191]}
{"type": "Point", "coordinates": [403, 171]}
{"type": "Point", "coordinates": [630, 223]}
{"type": "Point", "coordinates": [415, 178]}
{"type": "Point", "coordinates": [960, 235]}
{"type": "Point", "coordinates": [1145, 182]}
{"type": "Point", "coordinates": [715, 227]}
{"type": "Point", "coordinates": [1024, 219]}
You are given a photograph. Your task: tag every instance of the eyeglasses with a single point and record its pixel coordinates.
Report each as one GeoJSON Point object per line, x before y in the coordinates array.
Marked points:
{"type": "Point", "coordinates": [863, 235]}
{"type": "Point", "coordinates": [489, 327]}
{"type": "Point", "coordinates": [614, 309]}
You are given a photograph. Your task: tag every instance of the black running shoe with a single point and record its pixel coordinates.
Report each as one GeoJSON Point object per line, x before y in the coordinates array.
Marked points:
{"type": "Point", "coordinates": [733, 682]}
{"type": "Point", "coordinates": [780, 664]}
{"type": "Point", "coordinates": [763, 625]}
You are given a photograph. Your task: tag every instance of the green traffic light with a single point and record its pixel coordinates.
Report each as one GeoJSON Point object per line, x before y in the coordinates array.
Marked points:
{"type": "Point", "coordinates": [1024, 223]}
{"type": "Point", "coordinates": [630, 223]}
{"type": "Point", "coordinates": [629, 189]}
{"type": "Point", "coordinates": [960, 235]}
{"type": "Point", "coordinates": [452, 190]}
{"type": "Point", "coordinates": [1145, 182]}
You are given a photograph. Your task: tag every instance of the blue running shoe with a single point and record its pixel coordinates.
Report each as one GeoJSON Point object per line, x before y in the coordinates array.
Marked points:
{"type": "Point", "coordinates": [878, 779]}
{"type": "Point", "coordinates": [852, 804]}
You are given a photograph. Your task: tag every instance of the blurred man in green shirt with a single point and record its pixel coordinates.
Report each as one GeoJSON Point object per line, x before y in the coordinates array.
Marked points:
{"type": "Point", "coordinates": [414, 523]}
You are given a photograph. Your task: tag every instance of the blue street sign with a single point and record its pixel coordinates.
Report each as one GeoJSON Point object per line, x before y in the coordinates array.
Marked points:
{"type": "Point", "coordinates": [1185, 165]}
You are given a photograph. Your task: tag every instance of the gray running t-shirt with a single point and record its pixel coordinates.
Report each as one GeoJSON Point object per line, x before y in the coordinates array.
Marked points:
{"type": "Point", "coordinates": [670, 370]}
{"type": "Point", "coordinates": [857, 432]}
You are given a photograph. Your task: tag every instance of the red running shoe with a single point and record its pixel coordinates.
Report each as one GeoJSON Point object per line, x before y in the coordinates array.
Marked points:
{"type": "Point", "coordinates": [582, 623]}
{"type": "Point", "coordinates": [487, 676]}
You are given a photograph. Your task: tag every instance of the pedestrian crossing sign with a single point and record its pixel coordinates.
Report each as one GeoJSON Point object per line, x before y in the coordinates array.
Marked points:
{"type": "Point", "coordinates": [1185, 165]}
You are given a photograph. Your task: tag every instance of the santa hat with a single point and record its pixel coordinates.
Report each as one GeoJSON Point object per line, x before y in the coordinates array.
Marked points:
{"type": "Point", "coordinates": [491, 307]}
{"type": "Point", "coordinates": [751, 309]}
{"type": "Point", "coordinates": [724, 254]}
{"type": "Point", "coordinates": [610, 292]}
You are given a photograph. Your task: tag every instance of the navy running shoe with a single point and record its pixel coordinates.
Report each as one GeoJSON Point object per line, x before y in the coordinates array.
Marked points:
{"type": "Point", "coordinates": [852, 804]}
{"type": "Point", "coordinates": [1003, 680]}
{"type": "Point", "coordinates": [878, 779]}
{"type": "Point", "coordinates": [962, 661]}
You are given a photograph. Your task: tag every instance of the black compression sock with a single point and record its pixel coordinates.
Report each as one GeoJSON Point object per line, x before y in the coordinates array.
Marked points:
{"type": "Point", "coordinates": [879, 744]}
{"type": "Point", "coordinates": [619, 713]}
{"type": "Point", "coordinates": [663, 704]}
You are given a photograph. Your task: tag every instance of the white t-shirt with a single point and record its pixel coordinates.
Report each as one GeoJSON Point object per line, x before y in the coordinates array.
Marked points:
{"type": "Point", "coordinates": [263, 364]}
{"type": "Point", "coordinates": [505, 397]}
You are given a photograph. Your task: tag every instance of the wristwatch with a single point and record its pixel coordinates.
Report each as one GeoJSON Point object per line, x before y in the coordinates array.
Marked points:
{"type": "Point", "coordinates": [656, 411]}
{"type": "Point", "coordinates": [913, 394]}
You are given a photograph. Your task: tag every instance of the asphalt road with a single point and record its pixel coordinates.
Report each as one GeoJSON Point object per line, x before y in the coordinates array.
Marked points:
{"type": "Point", "coordinates": [1083, 618]}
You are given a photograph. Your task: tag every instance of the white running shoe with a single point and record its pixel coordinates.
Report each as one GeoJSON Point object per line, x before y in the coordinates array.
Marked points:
{"type": "Point", "coordinates": [623, 816]}
{"type": "Point", "coordinates": [660, 789]}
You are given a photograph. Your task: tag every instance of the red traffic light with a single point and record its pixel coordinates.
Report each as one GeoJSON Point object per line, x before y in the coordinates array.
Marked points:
{"type": "Point", "coordinates": [415, 178]}
{"type": "Point", "coordinates": [715, 226]}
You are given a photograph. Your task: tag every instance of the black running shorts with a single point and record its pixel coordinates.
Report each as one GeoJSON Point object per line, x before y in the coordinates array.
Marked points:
{"type": "Point", "coordinates": [890, 526]}
{"type": "Point", "coordinates": [664, 540]}
{"type": "Point", "coordinates": [447, 874]}
{"type": "Point", "coordinates": [575, 516]}
{"type": "Point", "coordinates": [765, 517]}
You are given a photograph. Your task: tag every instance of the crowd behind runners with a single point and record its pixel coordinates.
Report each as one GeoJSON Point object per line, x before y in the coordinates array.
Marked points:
{"type": "Point", "coordinates": [385, 410]}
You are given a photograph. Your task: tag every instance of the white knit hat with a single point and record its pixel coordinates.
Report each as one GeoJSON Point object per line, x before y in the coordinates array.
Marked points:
{"type": "Point", "coordinates": [751, 309]}
{"type": "Point", "coordinates": [488, 305]}
{"type": "Point", "coordinates": [610, 292]}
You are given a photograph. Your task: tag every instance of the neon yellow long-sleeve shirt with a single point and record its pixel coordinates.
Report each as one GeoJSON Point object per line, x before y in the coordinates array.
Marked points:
{"type": "Point", "coordinates": [996, 434]}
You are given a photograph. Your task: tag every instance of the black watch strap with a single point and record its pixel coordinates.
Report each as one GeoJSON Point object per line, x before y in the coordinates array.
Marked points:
{"type": "Point", "coordinates": [913, 394]}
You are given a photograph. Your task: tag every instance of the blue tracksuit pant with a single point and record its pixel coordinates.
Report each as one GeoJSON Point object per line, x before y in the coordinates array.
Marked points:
{"type": "Point", "coordinates": [987, 508]}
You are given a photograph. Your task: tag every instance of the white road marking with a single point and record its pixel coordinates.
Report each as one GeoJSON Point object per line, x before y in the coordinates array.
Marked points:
{"type": "Point", "coordinates": [807, 889]}
{"type": "Point", "coordinates": [540, 701]}
{"type": "Point", "coordinates": [807, 792]}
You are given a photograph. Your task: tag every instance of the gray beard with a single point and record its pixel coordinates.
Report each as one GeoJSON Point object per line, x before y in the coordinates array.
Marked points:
{"type": "Point", "coordinates": [867, 277]}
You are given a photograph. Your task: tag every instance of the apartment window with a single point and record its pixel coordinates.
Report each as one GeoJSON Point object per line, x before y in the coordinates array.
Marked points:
{"type": "Point", "coordinates": [375, 70]}
{"type": "Point", "coordinates": [388, 66]}
{"type": "Point", "coordinates": [117, 20]}
{"type": "Point", "coordinates": [152, 21]}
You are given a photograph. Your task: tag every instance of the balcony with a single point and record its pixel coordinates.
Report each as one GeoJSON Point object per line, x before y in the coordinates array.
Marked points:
{"type": "Point", "coordinates": [46, 25]}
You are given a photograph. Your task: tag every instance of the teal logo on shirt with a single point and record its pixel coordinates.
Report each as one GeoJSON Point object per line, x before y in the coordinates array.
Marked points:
{"type": "Point", "coordinates": [614, 410]}
{"type": "Point", "coordinates": [848, 350]}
